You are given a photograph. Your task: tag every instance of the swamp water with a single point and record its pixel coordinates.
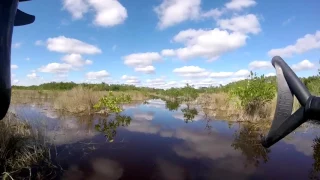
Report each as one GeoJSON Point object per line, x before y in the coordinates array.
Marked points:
{"type": "Point", "coordinates": [157, 140]}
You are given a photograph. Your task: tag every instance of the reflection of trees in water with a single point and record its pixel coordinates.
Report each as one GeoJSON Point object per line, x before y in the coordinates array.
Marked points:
{"type": "Point", "coordinates": [314, 173]}
{"type": "Point", "coordinates": [109, 127]}
{"type": "Point", "coordinates": [247, 140]}
{"type": "Point", "coordinates": [172, 105]}
{"type": "Point", "coordinates": [189, 113]}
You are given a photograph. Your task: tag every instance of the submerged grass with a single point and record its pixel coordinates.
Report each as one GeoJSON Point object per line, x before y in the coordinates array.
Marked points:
{"type": "Point", "coordinates": [23, 150]}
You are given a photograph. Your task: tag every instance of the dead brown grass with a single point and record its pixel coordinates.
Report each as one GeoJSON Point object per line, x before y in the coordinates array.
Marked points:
{"type": "Point", "coordinates": [82, 100]}
{"type": "Point", "coordinates": [222, 106]}
{"type": "Point", "coordinates": [21, 147]}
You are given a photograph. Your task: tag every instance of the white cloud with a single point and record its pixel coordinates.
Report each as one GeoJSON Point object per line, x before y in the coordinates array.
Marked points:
{"type": "Point", "coordinates": [56, 68]}
{"type": "Point", "coordinates": [145, 69]}
{"type": "Point", "coordinates": [15, 81]}
{"type": "Point", "coordinates": [245, 24]}
{"type": "Point", "coordinates": [63, 44]}
{"type": "Point", "coordinates": [307, 43]}
{"type": "Point", "coordinates": [221, 74]}
{"type": "Point", "coordinates": [97, 75]}
{"type": "Point", "coordinates": [107, 12]}
{"type": "Point", "coordinates": [260, 65]}
{"type": "Point", "coordinates": [270, 74]}
{"type": "Point", "coordinates": [32, 75]}
{"type": "Point", "coordinates": [214, 13]}
{"type": "Point", "coordinates": [77, 8]}
{"type": "Point", "coordinates": [130, 79]}
{"type": "Point", "coordinates": [141, 59]}
{"type": "Point", "coordinates": [76, 60]}
{"type": "Point", "coordinates": [303, 65]}
{"type": "Point", "coordinates": [13, 66]}
{"type": "Point", "coordinates": [39, 43]}
{"type": "Point", "coordinates": [28, 59]}
{"type": "Point", "coordinates": [142, 62]}
{"type": "Point", "coordinates": [238, 5]}
{"type": "Point", "coordinates": [168, 52]}
{"type": "Point", "coordinates": [126, 77]}
{"type": "Point", "coordinates": [16, 45]}
{"type": "Point", "coordinates": [242, 73]}
{"type": "Point", "coordinates": [171, 12]}
{"type": "Point", "coordinates": [208, 43]}
{"type": "Point", "coordinates": [191, 71]}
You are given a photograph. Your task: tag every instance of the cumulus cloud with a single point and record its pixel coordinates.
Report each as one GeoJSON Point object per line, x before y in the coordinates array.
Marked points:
{"type": "Point", "coordinates": [171, 12]}
{"type": "Point", "coordinates": [107, 12]}
{"type": "Point", "coordinates": [76, 60]}
{"type": "Point", "coordinates": [214, 13]}
{"type": "Point", "coordinates": [208, 43]}
{"type": "Point", "coordinates": [142, 62]}
{"type": "Point", "coordinates": [77, 8]}
{"type": "Point", "coordinates": [145, 69]}
{"type": "Point", "coordinates": [32, 75]}
{"type": "Point", "coordinates": [303, 65]}
{"type": "Point", "coordinates": [15, 81]}
{"type": "Point", "coordinates": [245, 24]}
{"type": "Point", "coordinates": [56, 68]}
{"type": "Point", "coordinates": [221, 74]}
{"type": "Point", "coordinates": [13, 66]}
{"type": "Point", "coordinates": [191, 71]}
{"type": "Point", "coordinates": [63, 44]}
{"type": "Point", "coordinates": [307, 43]}
{"type": "Point", "coordinates": [270, 74]}
{"type": "Point", "coordinates": [242, 73]}
{"type": "Point", "coordinates": [197, 72]}
{"type": "Point", "coordinates": [168, 52]}
{"type": "Point", "coordinates": [130, 79]}
{"type": "Point", "coordinates": [97, 75]}
{"type": "Point", "coordinates": [239, 5]}
{"type": "Point", "coordinates": [260, 65]}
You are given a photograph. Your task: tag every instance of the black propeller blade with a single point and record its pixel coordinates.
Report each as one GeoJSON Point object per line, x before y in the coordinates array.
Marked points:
{"type": "Point", "coordinates": [288, 85]}
{"type": "Point", "coordinates": [8, 14]}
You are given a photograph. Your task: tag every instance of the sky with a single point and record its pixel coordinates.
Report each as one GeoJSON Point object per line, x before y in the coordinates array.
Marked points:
{"type": "Point", "coordinates": [163, 43]}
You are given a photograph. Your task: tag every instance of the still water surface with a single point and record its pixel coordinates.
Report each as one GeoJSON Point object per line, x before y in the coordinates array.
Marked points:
{"type": "Point", "coordinates": [150, 141]}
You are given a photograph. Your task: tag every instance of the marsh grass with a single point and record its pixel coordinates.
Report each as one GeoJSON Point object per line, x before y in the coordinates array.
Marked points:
{"type": "Point", "coordinates": [23, 149]}
{"type": "Point", "coordinates": [81, 100]}
{"type": "Point", "coordinates": [223, 106]}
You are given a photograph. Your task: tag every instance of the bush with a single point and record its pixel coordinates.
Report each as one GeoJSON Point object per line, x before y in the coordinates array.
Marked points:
{"type": "Point", "coordinates": [111, 103]}
{"type": "Point", "coordinates": [255, 93]}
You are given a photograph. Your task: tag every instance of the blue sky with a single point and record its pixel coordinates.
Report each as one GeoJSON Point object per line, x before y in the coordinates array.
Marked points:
{"type": "Point", "coordinates": [163, 43]}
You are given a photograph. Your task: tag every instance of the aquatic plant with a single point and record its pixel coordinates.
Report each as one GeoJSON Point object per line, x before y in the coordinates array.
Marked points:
{"type": "Point", "coordinates": [111, 103]}
{"type": "Point", "coordinates": [23, 150]}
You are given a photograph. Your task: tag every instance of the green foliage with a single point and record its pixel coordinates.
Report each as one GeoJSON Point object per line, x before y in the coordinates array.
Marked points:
{"type": "Point", "coordinates": [109, 128]}
{"type": "Point", "coordinates": [189, 93]}
{"type": "Point", "coordinates": [95, 87]}
{"type": "Point", "coordinates": [111, 103]}
{"type": "Point", "coordinates": [247, 140]}
{"type": "Point", "coordinates": [172, 105]}
{"type": "Point", "coordinates": [256, 92]}
{"type": "Point", "coordinates": [189, 114]}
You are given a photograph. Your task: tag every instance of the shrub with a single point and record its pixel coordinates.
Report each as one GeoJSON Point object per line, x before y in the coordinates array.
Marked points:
{"type": "Point", "coordinates": [255, 93]}
{"type": "Point", "coordinates": [111, 103]}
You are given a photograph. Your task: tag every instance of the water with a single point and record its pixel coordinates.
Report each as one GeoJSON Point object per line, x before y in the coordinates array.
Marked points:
{"type": "Point", "coordinates": [148, 141]}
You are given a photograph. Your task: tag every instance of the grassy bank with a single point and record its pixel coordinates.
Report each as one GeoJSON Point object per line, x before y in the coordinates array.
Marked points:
{"type": "Point", "coordinates": [23, 150]}
{"type": "Point", "coordinates": [80, 99]}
